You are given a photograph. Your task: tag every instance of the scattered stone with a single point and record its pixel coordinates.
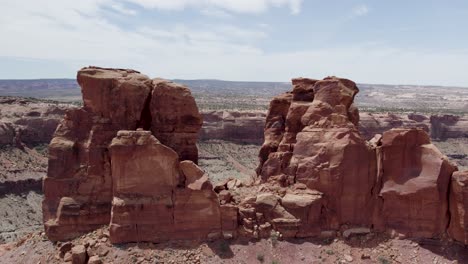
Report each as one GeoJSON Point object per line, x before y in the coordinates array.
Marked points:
{"type": "Point", "coordinates": [65, 247]}
{"type": "Point", "coordinates": [67, 257]}
{"type": "Point", "coordinates": [356, 231]}
{"type": "Point", "coordinates": [79, 254]}
{"type": "Point", "coordinates": [94, 260]}
{"type": "Point", "coordinates": [348, 258]}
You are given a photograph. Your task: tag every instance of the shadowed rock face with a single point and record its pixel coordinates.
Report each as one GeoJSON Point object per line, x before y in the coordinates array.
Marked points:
{"type": "Point", "coordinates": [78, 188]}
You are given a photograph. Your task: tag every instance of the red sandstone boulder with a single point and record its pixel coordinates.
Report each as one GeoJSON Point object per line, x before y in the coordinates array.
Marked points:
{"type": "Point", "coordinates": [415, 180]}
{"type": "Point", "coordinates": [458, 228]}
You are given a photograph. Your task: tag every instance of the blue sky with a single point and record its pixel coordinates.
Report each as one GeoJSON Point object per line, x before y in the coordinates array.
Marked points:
{"type": "Point", "coordinates": [392, 42]}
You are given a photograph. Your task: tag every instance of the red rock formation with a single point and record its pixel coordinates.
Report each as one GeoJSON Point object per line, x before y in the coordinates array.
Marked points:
{"type": "Point", "coordinates": [458, 228]}
{"type": "Point", "coordinates": [415, 179]}
{"type": "Point", "coordinates": [395, 183]}
{"type": "Point", "coordinates": [128, 157]}
{"type": "Point", "coordinates": [148, 203]}
{"type": "Point", "coordinates": [78, 187]}
{"type": "Point", "coordinates": [319, 146]}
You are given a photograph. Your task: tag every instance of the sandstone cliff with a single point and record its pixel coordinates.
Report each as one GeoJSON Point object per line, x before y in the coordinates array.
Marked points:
{"type": "Point", "coordinates": [78, 189]}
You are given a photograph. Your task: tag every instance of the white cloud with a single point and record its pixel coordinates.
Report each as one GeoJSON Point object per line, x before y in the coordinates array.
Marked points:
{"type": "Point", "coordinates": [236, 6]}
{"type": "Point", "coordinates": [360, 10]}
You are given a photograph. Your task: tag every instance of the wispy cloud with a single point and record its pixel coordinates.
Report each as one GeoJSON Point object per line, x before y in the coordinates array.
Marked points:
{"type": "Point", "coordinates": [360, 10]}
{"type": "Point", "coordinates": [215, 12]}
{"type": "Point", "coordinates": [235, 6]}
{"type": "Point", "coordinates": [122, 9]}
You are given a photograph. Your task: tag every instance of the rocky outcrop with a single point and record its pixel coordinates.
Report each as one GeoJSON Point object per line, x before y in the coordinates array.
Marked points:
{"type": "Point", "coordinates": [78, 189]}
{"type": "Point", "coordinates": [155, 197]}
{"type": "Point", "coordinates": [458, 228]}
{"type": "Point", "coordinates": [241, 127]}
{"type": "Point", "coordinates": [397, 183]}
{"type": "Point", "coordinates": [312, 139]}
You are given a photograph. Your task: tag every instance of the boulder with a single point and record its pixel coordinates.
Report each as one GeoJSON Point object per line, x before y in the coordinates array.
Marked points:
{"type": "Point", "coordinates": [78, 254]}
{"type": "Point", "coordinates": [94, 260]}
